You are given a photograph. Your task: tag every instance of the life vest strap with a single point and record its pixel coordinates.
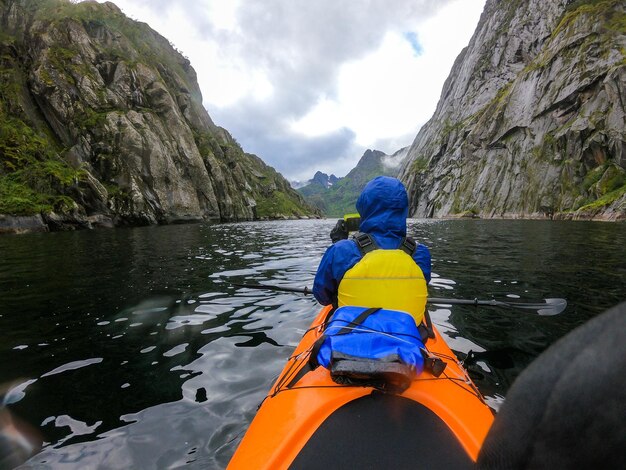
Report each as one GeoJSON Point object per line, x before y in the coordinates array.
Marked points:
{"type": "Point", "coordinates": [366, 243]}
{"type": "Point", "coordinates": [408, 245]}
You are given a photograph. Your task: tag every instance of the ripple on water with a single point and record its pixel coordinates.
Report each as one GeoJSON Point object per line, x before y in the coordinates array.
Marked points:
{"type": "Point", "coordinates": [180, 321]}
{"type": "Point", "coordinates": [73, 366]}
{"type": "Point", "coordinates": [213, 309]}
{"type": "Point", "coordinates": [77, 428]}
{"type": "Point", "coordinates": [179, 349]}
{"type": "Point", "coordinates": [185, 357]}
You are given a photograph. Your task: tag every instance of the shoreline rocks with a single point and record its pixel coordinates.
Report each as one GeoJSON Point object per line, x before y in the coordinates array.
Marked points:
{"type": "Point", "coordinates": [18, 225]}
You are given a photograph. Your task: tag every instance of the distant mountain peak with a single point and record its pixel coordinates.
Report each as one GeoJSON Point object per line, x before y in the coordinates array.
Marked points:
{"type": "Point", "coordinates": [323, 179]}
{"type": "Point", "coordinates": [337, 196]}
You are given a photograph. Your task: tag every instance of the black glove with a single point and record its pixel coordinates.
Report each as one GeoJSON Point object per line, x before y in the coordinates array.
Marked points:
{"type": "Point", "coordinates": [340, 232]}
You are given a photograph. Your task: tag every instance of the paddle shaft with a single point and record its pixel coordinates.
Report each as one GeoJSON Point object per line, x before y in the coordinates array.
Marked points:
{"type": "Point", "coordinates": [300, 290]}
{"type": "Point", "coordinates": [547, 307]}
{"type": "Point", "coordinates": [476, 302]}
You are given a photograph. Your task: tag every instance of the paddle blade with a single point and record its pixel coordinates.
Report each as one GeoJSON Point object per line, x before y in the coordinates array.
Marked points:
{"type": "Point", "coordinates": [553, 307]}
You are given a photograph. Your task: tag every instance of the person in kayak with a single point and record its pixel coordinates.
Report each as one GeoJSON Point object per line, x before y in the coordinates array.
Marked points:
{"type": "Point", "coordinates": [378, 266]}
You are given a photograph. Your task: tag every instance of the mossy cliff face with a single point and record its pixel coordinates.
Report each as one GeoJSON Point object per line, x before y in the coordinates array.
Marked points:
{"type": "Point", "coordinates": [102, 122]}
{"type": "Point", "coordinates": [531, 121]}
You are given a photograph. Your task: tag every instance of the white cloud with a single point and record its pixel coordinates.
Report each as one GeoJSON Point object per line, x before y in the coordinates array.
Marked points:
{"type": "Point", "coordinates": [223, 14]}
{"type": "Point", "coordinates": [311, 85]}
{"type": "Point", "coordinates": [393, 91]}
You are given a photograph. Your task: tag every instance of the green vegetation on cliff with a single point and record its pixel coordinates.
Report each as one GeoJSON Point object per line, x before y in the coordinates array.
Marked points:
{"type": "Point", "coordinates": [337, 200]}
{"type": "Point", "coordinates": [148, 46]}
{"type": "Point", "coordinates": [276, 204]}
{"type": "Point", "coordinates": [100, 115]}
{"type": "Point", "coordinates": [532, 120]}
{"type": "Point", "coordinates": [33, 177]}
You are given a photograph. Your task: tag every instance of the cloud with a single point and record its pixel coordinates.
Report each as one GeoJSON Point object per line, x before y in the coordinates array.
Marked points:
{"type": "Point", "coordinates": [394, 161]}
{"type": "Point", "coordinates": [310, 85]}
{"type": "Point", "coordinates": [297, 155]}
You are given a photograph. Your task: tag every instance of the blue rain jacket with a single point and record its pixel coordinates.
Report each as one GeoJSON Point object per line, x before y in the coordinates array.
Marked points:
{"type": "Point", "coordinates": [383, 206]}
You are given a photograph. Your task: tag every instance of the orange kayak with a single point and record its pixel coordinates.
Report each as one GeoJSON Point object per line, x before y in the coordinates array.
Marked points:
{"type": "Point", "coordinates": [438, 422]}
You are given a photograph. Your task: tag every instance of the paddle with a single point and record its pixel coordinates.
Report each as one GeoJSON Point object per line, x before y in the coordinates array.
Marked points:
{"type": "Point", "coordinates": [300, 290]}
{"type": "Point", "coordinates": [546, 308]}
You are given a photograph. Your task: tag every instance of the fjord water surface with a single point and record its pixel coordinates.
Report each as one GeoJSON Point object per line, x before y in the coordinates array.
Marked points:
{"type": "Point", "coordinates": [129, 348]}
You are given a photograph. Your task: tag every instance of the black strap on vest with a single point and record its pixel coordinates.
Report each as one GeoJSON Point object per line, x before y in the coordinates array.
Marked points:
{"type": "Point", "coordinates": [423, 332]}
{"type": "Point", "coordinates": [366, 243]}
{"type": "Point", "coordinates": [408, 245]}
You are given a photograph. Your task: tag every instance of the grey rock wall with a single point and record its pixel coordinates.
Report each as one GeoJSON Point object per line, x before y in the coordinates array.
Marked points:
{"type": "Point", "coordinates": [531, 121]}
{"type": "Point", "coordinates": [124, 106]}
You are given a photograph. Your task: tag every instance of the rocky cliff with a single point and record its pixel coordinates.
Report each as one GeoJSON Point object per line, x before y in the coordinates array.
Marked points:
{"type": "Point", "coordinates": [531, 121]}
{"type": "Point", "coordinates": [101, 122]}
{"type": "Point", "coordinates": [337, 196]}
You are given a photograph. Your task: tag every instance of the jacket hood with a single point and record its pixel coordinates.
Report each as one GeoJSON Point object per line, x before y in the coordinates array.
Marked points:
{"type": "Point", "coordinates": [383, 206]}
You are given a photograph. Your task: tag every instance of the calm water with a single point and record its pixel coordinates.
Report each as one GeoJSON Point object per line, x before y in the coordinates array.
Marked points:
{"type": "Point", "coordinates": [129, 348]}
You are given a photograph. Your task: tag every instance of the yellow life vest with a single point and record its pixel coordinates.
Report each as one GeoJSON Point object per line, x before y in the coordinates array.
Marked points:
{"type": "Point", "coordinates": [388, 279]}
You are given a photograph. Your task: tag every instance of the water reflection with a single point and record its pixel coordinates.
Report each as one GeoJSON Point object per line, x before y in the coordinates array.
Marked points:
{"type": "Point", "coordinates": [132, 349]}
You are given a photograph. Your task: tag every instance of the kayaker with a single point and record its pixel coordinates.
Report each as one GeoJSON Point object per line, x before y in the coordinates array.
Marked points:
{"type": "Point", "coordinates": [371, 268]}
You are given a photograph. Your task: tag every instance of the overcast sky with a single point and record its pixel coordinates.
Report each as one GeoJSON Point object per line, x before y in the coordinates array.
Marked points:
{"type": "Point", "coordinates": [310, 85]}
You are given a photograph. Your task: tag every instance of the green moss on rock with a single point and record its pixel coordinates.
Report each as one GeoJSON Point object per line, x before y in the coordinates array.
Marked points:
{"type": "Point", "coordinates": [604, 201]}
{"type": "Point", "coordinates": [33, 176]}
{"type": "Point", "coordinates": [277, 204]}
{"type": "Point", "coordinates": [593, 177]}
{"type": "Point", "coordinates": [613, 178]}
{"type": "Point", "coordinates": [419, 165]}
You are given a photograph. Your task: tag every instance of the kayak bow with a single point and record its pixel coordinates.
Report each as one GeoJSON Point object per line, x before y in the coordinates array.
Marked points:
{"type": "Point", "coordinates": [313, 422]}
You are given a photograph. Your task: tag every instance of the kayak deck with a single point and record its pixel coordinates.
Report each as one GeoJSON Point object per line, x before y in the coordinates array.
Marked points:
{"type": "Point", "coordinates": [382, 431]}
{"type": "Point", "coordinates": [301, 424]}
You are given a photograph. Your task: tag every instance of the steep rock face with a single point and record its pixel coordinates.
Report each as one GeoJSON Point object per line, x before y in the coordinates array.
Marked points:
{"type": "Point", "coordinates": [531, 121]}
{"type": "Point", "coordinates": [123, 107]}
